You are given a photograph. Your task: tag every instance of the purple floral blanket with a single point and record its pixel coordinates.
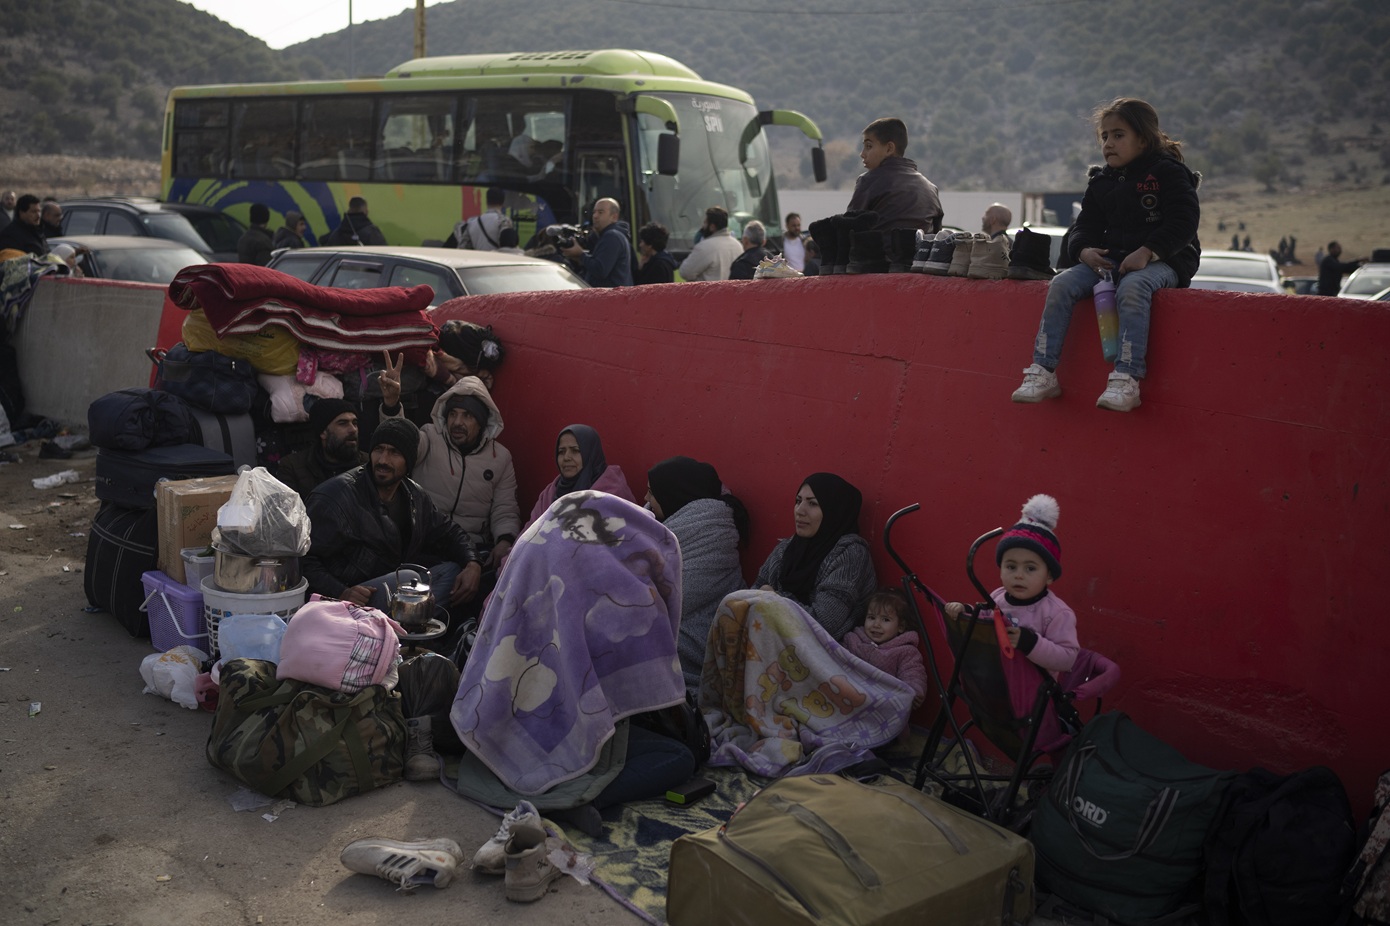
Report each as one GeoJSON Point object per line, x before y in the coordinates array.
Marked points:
{"type": "Point", "coordinates": [781, 697]}
{"type": "Point", "coordinates": [580, 632]}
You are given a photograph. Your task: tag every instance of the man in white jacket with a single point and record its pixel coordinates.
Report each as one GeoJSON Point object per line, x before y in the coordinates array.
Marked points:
{"type": "Point", "coordinates": [714, 253]}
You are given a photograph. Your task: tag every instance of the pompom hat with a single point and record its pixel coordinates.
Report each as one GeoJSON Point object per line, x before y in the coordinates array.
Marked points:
{"type": "Point", "coordinates": [1036, 532]}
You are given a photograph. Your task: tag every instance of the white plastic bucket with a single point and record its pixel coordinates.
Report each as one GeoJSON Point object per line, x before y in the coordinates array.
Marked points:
{"type": "Point", "coordinates": [218, 604]}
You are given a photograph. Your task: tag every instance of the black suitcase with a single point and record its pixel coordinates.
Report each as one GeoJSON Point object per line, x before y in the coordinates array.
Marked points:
{"type": "Point", "coordinates": [122, 547]}
{"type": "Point", "coordinates": [231, 434]}
{"type": "Point", "coordinates": [128, 477]}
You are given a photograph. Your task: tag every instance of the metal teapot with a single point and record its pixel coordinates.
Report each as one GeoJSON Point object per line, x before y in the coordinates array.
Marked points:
{"type": "Point", "coordinates": [412, 603]}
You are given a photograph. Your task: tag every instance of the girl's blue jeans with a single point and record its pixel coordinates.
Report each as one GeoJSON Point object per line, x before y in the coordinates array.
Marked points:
{"type": "Point", "coordinates": [1133, 295]}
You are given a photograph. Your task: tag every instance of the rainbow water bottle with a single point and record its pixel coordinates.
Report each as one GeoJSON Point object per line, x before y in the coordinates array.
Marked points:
{"type": "Point", "coordinates": [1107, 318]}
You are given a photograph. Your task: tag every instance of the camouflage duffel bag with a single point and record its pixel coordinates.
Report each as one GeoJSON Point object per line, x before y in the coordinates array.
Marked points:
{"type": "Point", "coordinates": [313, 745]}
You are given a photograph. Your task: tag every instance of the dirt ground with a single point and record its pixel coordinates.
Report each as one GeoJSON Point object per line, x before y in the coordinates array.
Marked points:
{"type": "Point", "coordinates": [111, 813]}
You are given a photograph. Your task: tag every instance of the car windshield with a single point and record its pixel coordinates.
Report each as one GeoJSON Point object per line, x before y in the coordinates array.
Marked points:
{"type": "Point", "coordinates": [176, 228]}
{"type": "Point", "coordinates": [220, 231]}
{"type": "Point", "coordinates": [145, 265]}
{"type": "Point", "coordinates": [1239, 267]}
{"type": "Point", "coordinates": [518, 278]}
{"type": "Point", "coordinates": [1368, 281]}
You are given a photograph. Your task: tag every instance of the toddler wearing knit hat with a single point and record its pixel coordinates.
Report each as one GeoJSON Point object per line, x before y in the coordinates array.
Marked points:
{"type": "Point", "coordinates": [1029, 555]}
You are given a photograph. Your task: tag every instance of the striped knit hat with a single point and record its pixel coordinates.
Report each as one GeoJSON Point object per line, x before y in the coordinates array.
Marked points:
{"type": "Point", "coordinates": [1036, 532]}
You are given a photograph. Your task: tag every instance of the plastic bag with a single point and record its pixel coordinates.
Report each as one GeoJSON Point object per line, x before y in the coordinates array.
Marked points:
{"type": "Point", "coordinates": [174, 674]}
{"type": "Point", "coordinates": [263, 517]}
{"type": "Point", "coordinates": [250, 636]}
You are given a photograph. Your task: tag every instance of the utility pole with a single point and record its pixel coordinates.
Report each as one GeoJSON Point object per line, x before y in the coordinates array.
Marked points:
{"type": "Point", "coordinates": [419, 28]}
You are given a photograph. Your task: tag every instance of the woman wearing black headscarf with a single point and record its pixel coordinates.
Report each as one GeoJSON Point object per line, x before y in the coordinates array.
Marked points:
{"type": "Point", "coordinates": [826, 565]}
{"type": "Point", "coordinates": [689, 498]}
{"type": "Point", "coordinates": [579, 458]}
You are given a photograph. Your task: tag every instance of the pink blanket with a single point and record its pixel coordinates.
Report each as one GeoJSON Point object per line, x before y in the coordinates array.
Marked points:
{"type": "Point", "coordinates": [243, 299]}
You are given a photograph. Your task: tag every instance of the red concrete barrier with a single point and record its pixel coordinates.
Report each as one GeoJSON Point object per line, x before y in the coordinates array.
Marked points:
{"type": "Point", "coordinates": [1224, 542]}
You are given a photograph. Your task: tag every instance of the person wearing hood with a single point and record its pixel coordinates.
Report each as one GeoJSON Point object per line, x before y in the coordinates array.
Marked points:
{"type": "Point", "coordinates": [582, 465]}
{"type": "Point", "coordinates": [291, 234]}
{"type": "Point", "coordinates": [609, 262]}
{"type": "Point", "coordinates": [655, 263]}
{"type": "Point", "coordinates": [460, 464]}
{"type": "Point", "coordinates": [356, 228]}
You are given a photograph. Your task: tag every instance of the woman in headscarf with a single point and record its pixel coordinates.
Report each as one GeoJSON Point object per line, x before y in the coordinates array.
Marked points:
{"type": "Point", "coordinates": [579, 458]}
{"type": "Point", "coordinates": [688, 497]}
{"type": "Point", "coordinates": [825, 566]}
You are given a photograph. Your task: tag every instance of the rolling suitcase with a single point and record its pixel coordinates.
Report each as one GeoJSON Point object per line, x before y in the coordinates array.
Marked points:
{"type": "Point", "coordinates": [830, 850]}
{"type": "Point", "coordinates": [231, 434]}
{"type": "Point", "coordinates": [128, 477]}
{"type": "Point", "coordinates": [121, 548]}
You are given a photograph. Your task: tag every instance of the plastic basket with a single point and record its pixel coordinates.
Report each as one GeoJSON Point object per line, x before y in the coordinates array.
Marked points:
{"type": "Point", "coordinates": [196, 567]}
{"type": "Point", "coordinates": [176, 613]}
{"type": "Point", "coordinates": [218, 604]}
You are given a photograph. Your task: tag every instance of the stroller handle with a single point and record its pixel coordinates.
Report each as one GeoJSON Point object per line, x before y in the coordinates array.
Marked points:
{"type": "Point", "coordinates": [970, 560]}
{"type": "Point", "coordinates": [888, 535]}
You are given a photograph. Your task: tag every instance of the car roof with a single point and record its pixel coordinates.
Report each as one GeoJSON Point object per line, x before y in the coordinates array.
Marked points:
{"type": "Point", "coordinates": [458, 258]}
{"type": "Point", "coordinates": [121, 242]}
{"type": "Point", "coordinates": [1238, 255]}
{"type": "Point", "coordinates": [138, 203]}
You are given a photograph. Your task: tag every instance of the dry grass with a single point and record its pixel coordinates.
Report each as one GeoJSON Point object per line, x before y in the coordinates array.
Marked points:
{"type": "Point", "coordinates": [66, 177]}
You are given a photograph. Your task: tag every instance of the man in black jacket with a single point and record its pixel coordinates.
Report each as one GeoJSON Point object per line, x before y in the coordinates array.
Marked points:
{"type": "Point", "coordinates": [255, 244]}
{"type": "Point", "coordinates": [356, 228]}
{"type": "Point", "coordinates": [744, 266]}
{"type": "Point", "coordinates": [335, 449]}
{"type": "Point", "coordinates": [25, 233]}
{"type": "Point", "coordinates": [1331, 269]}
{"type": "Point", "coordinates": [372, 519]}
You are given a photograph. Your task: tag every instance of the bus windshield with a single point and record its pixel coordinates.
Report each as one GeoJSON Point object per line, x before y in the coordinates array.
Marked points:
{"type": "Point", "coordinates": [724, 162]}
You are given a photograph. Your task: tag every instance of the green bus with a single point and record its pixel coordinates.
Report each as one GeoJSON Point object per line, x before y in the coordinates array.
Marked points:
{"type": "Point", "coordinates": [556, 130]}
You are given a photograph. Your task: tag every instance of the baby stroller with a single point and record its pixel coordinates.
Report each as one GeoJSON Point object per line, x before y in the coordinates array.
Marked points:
{"type": "Point", "coordinates": [1016, 705]}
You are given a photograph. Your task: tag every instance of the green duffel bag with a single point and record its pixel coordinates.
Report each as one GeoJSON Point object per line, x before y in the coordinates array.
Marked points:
{"type": "Point", "coordinates": [822, 849]}
{"type": "Point", "coordinates": [1121, 828]}
{"type": "Point", "coordinates": [313, 745]}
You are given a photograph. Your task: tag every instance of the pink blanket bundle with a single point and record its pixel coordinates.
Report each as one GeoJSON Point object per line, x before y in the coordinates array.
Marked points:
{"type": "Point", "coordinates": [336, 644]}
{"type": "Point", "coordinates": [244, 298]}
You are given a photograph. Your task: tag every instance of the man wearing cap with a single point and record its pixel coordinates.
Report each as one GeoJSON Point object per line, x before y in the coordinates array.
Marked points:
{"type": "Point", "coordinates": [467, 473]}
{"type": "Point", "coordinates": [335, 449]}
{"type": "Point", "coordinates": [370, 520]}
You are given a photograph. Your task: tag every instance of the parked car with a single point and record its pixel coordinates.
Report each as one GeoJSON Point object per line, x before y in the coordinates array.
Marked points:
{"type": "Point", "coordinates": [1366, 281]}
{"type": "Point", "coordinates": [126, 257]}
{"type": "Point", "coordinates": [451, 272]}
{"type": "Point", "coordinates": [1238, 271]}
{"type": "Point", "coordinates": [1301, 286]}
{"type": "Point", "coordinates": [213, 233]}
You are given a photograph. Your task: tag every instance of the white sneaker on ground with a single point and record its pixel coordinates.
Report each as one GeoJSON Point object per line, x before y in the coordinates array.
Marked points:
{"type": "Point", "coordinates": [492, 857]}
{"type": "Point", "coordinates": [529, 870]}
{"type": "Point", "coordinates": [1039, 383]}
{"type": "Point", "coordinates": [1121, 393]}
{"type": "Point", "coordinates": [407, 864]}
{"type": "Point", "coordinates": [775, 268]}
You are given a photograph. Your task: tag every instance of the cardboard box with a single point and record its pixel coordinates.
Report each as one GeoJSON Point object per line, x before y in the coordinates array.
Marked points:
{"type": "Point", "coordinates": [187, 511]}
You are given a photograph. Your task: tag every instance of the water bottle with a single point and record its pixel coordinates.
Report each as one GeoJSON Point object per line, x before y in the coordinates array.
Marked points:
{"type": "Point", "coordinates": [1107, 318]}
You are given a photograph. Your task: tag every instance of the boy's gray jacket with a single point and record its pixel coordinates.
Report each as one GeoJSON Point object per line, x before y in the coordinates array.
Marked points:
{"type": "Point", "coordinates": [477, 491]}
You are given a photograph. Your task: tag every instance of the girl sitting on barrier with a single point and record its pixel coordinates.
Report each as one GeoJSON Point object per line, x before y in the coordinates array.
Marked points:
{"type": "Point", "coordinates": [825, 566]}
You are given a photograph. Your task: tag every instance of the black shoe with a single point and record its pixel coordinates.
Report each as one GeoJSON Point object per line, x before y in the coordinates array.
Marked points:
{"type": "Point", "coordinates": [900, 247]}
{"type": "Point", "coordinates": [51, 451]}
{"type": "Point", "coordinates": [866, 252]}
{"type": "Point", "coordinates": [1031, 256]}
{"type": "Point", "coordinates": [826, 236]}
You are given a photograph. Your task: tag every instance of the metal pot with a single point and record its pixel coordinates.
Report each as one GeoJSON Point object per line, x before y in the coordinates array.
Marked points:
{"type": "Point", "coordinates": [412, 603]}
{"type": "Point", "coordinates": [254, 575]}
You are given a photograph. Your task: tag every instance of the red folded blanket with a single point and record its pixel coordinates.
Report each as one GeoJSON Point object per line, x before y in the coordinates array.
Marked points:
{"type": "Point", "coordinates": [244, 299]}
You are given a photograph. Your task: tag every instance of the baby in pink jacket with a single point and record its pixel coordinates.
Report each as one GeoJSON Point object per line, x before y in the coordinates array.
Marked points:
{"type": "Point", "coordinates": [885, 643]}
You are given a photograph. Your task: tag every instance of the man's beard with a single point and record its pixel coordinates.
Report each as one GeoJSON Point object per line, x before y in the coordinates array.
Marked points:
{"type": "Point", "coordinates": [341, 449]}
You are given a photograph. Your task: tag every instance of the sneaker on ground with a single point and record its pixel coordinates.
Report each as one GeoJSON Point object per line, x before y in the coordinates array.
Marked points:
{"type": "Point", "coordinates": [1121, 393]}
{"type": "Point", "coordinates": [407, 864]}
{"type": "Point", "coordinates": [492, 857]}
{"type": "Point", "coordinates": [1039, 383]}
{"type": "Point", "coordinates": [529, 870]}
{"type": "Point", "coordinates": [775, 268]}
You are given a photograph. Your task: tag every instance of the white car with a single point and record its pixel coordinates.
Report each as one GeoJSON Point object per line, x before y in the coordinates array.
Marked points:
{"type": "Point", "coordinates": [1239, 272]}
{"type": "Point", "coordinates": [129, 257]}
{"type": "Point", "coordinates": [1366, 281]}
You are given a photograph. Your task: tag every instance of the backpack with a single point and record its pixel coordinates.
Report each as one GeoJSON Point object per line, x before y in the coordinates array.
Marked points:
{"type": "Point", "coordinates": [139, 418]}
{"type": "Point", "coordinates": [211, 381]}
{"type": "Point", "coordinates": [1121, 828]}
{"type": "Point", "coordinates": [1279, 850]}
{"type": "Point", "coordinates": [1368, 883]}
{"type": "Point", "coordinates": [310, 744]}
